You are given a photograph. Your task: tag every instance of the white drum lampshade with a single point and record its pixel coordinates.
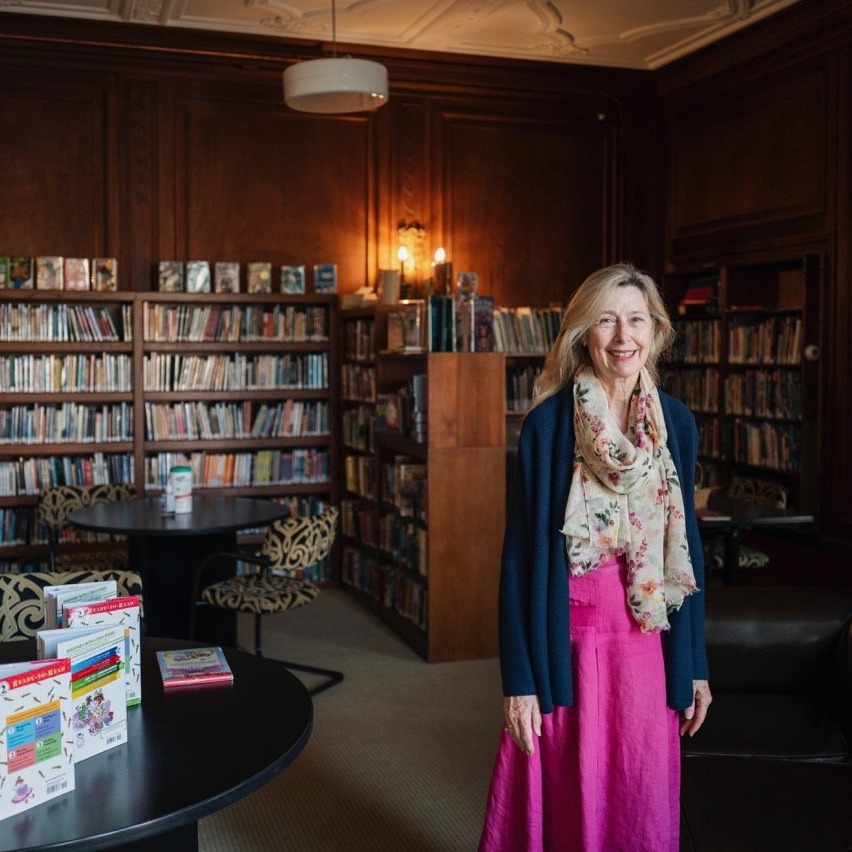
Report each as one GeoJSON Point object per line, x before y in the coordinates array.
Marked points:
{"type": "Point", "coordinates": [335, 85]}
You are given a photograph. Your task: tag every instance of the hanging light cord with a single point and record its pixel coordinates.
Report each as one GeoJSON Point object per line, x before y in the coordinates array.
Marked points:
{"type": "Point", "coordinates": [333, 29]}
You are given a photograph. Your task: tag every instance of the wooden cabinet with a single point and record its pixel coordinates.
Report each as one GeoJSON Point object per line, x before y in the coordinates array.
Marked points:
{"type": "Point", "coordinates": [746, 361]}
{"type": "Point", "coordinates": [118, 387]}
{"type": "Point", "coordinates": [426, 558]}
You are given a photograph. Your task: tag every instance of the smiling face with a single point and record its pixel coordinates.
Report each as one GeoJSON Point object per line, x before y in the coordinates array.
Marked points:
{"type": "Point", "coordinates": [620, 338]}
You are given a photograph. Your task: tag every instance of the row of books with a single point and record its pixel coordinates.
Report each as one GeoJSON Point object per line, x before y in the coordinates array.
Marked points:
{"type": "Point", "coordinates": [31, 475]}
{"type": "Point", "coordinates": [234, 372]}
{"type": "Point", "coordinates": [406, 410]}
{"type": "Point", "coordinates": [191, 421]}
{"type": "Point", "coordinates": [60, 323]}
{"type": "Point", "coordinates": [519, 386]}
{"type": "Point", "coordinates": [357, 427]}
{"type": "Point", "coordinates": [71, 703]}
{"type": "Point", "coordinates": [698, 388]}
{"type": "Point", "coordinates": [83, 373]}
{"type": "Point", "coordinates": [359, 521]}
{"type": "Point", "coordinates": [359, 341]}
{"type": "Point", "coordinates": [404, 486]}
{"type": "Point", "coordinates": [709, 437]}
{"type": "Point", "coordinates": [361, 475]}
{"type": "Point", "coordinates": [215, 323]}
{"type": "Point", "coordinates": [359, 382]}
{"type": "Point", "coordinates": [386, 584]}
{"type": "Point", "coordinates": [525, 330]}
{"type": "Point", "coordinates": [58, 273]}
{"type": "Point", "coordinates": [68, 423]}
{"type": "Point", "coordinates": [17, 526]}
{"type": "Point", "coordinates": [765, 393]}
{"type": "Point", "coordinates": [405, 542]}
{"type": "Point", "coordinates": [698, 342]}
{"type": "Point", "coordinates": [767, 445]}
{"type": "Point", "coordinates": [460, 323]}
{"type": "Point", "coordinates": [774, 340]}
{"type": "Point", "coordinates": [197, 276]}
{"type": "Point", "coordinates": [236, 470]}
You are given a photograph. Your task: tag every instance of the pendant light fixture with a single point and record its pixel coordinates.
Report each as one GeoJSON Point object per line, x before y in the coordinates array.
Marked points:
{"type": "Point", "coordinates": [335, 85]}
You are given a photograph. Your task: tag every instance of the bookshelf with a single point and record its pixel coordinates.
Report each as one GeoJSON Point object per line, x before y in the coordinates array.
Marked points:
{"type": "Point", "coordinates": [746, 361]}
{"type": "Point", "coordinates": [240, 386]}
{"type": "Point", "coordinates": [421, 549]}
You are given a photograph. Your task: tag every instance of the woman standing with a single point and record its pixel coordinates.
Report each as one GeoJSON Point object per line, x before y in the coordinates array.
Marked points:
{"type": "Point", "coordinates": [601, 610]}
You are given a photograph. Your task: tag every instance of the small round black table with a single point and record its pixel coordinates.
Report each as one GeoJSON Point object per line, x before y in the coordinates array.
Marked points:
{"type": "Point", "coordinates": [165, 550]}
{"type": "Point", "coordinates": [189, 752]}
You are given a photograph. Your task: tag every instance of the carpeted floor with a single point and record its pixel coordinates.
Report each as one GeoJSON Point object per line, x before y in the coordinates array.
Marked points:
{"type": "Point", "coordinates": [401, 751]}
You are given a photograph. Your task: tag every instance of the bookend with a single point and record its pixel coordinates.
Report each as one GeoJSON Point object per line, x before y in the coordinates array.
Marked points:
{"type": "Point", "coordinates": [289, 548]}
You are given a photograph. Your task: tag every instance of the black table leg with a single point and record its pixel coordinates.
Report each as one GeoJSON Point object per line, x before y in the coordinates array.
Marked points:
{"type": "Point", "coordinates": [167, 566]}
{"type": "Point", "coordinates": [732, 556]}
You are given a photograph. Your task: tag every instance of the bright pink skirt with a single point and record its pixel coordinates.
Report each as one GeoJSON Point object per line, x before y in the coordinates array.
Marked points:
{"type": "Point", "coordinates": [605, 776]}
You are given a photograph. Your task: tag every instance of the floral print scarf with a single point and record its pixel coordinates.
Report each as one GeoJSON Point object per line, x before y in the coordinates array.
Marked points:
{"type": "Point", "coordinates": [625, 499]}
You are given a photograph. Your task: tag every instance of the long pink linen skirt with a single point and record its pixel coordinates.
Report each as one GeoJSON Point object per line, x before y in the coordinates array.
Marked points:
{"type": "Point", "coordinates": [605, 776]}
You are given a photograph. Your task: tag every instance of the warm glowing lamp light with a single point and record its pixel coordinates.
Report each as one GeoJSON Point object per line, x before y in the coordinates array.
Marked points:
{"type": "Point", "coordinates": [440, 255]}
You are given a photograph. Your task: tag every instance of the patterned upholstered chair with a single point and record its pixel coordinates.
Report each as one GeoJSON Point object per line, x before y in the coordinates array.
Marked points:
{"type": "Point", "coordinates": [22, 596]}
{"type": "Point", "coordinates": [276, 583]}
{"type": "Point", "coordinates": [54, 506]}
{"type": "Point", "coordinates": [751, 491]}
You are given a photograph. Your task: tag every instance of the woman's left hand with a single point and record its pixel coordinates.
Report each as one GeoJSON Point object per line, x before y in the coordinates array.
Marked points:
{"type": "Point", "coordinates": [693, 717]}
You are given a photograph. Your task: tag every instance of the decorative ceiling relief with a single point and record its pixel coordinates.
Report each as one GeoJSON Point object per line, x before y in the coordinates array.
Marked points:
{"type": "Point", "coordinates": [644, 34]}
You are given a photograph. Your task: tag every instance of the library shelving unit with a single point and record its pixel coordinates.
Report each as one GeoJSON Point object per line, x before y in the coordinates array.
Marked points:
{"type": "Point", "coordinates": [241, 386]}
{"type": "Point", "coordinates": [359, 328]}
{"type": "Point", "coordinates": [424, 553]}
{"type": "Point", "coordinates": [746, 361]}
{"type": "Point", "coordinates": [525, 335]}
{"type": "Point", "coordinates": [67, 408]}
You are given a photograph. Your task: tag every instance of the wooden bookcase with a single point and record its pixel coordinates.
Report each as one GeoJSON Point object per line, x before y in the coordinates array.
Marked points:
{"type": "Point", "coordinates": [433, 575]}
{"type": "Point", "coordinates": [747, 363]}
{"type": "Point", "coordinates": [197, 372]}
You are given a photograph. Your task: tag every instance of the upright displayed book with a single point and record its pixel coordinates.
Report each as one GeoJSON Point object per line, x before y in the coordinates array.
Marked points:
{"type": "Point", "coordinates": [57, 597]}
{"type": "Point", "coordinates": [194, 667]}
{"type": "Point", "coordinates": [36, 740]}
{"type": "Point", "coordinates": [125, 613]}
{"type": "Point", "coordinates": [98, 693]}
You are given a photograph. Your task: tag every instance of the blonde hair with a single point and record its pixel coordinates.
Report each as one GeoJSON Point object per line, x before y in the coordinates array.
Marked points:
{"type": "Point", "coordinates": [568, 353]}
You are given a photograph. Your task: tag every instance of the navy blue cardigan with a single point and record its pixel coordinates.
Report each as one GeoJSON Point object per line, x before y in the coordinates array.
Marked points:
{"type": "Point", "coordinates": [535, 656]}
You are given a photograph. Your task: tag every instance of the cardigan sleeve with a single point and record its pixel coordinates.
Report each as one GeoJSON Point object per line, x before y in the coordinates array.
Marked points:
{"type": "Point", "coordinates": [514, 594]}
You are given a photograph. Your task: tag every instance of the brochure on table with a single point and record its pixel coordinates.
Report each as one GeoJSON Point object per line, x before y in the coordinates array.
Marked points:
{"type": "Point", "coordinates": [98, 692]}
{"type": "Point", "coordinates": [36, 743]}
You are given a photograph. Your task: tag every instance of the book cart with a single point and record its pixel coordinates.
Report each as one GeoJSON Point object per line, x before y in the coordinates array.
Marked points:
{"type": "Point", "coordinates": [746, 361]}
{"type": "Point", "coordinates": [242, 386]}
{"type": "Point", "coordinates": [421, 547]}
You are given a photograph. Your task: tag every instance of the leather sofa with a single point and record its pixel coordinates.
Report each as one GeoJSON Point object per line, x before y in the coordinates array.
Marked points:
{"type": "Point", "coordinates": [771, 767]}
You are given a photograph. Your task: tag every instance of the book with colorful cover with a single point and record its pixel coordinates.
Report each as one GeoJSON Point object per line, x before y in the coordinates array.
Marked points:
{"type": "Point", "coordinates": [98, 693]}
{"type": "Point", "coordinates": [194, 667]}
{"type": "Point", "coordinates": [36, 741]}
{"type": "Point", "coordinates": [125, 612]}
{"type": "Point", "coordinates": [57, 597]}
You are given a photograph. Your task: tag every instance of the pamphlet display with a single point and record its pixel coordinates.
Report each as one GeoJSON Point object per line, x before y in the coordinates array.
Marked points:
{"type": "Point", "coordinates": [36, 741]}
{"type": "Point", "coordinates": [98, 693]}
{"type": "Point", "coordinates": [123, 612]}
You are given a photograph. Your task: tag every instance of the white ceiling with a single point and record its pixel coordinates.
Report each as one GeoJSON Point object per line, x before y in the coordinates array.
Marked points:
{"type": "Point", "coordinates": [644, 34]}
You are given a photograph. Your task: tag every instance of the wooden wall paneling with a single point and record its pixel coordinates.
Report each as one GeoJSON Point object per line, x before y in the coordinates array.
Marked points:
{"type": "Point", "coordinates": [140, 196]}
{"type": "Point", "coordinates": [253, 181]}
{"type": "Point", "coordinates": [750, 161]}
{"type": "Point", "coordinates": [60, 178]}
{"type": "Point", "coordinates": [527, 193]}
{"type": "Point", "coordinates": [836, 483]}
